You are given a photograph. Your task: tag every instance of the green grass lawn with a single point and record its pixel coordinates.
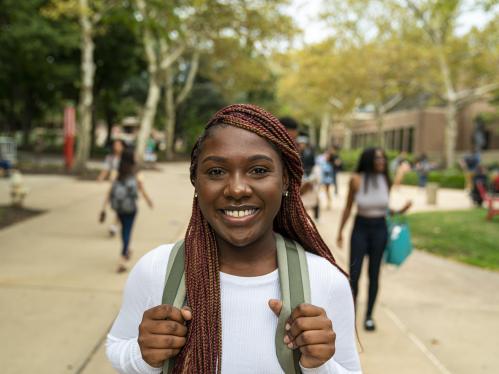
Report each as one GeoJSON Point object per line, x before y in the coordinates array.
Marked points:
{"type": "Point", "coordinates": [463, 235]}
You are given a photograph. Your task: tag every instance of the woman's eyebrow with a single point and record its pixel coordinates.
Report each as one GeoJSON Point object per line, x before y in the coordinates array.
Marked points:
{"type": "Point", "coordinates": [251, 158]}
{"type": "Point", "coordinates": [214, 158]}
{"type": "Point", "coordinates": [260, 157]}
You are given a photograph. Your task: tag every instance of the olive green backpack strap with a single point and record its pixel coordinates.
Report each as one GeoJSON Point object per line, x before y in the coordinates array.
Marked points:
{"type": "Point", "coordinates": [295, 290]}
{"type": "Point", "coordinates": [294, 285]}
{"type": "Point", "coordinates": [174, 291]}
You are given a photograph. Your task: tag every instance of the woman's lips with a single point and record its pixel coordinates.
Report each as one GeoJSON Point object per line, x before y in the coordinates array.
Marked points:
{"type": "Point", "coordinates": [239, 217]}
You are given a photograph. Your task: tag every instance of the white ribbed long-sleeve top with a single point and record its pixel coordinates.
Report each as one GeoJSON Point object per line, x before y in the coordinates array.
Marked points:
{"type": "Point", "coordinates": [248, 324]}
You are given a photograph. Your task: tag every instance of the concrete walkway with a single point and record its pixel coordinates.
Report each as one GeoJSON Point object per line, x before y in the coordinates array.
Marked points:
{"type": "Point", "coordinates": [59, 292]}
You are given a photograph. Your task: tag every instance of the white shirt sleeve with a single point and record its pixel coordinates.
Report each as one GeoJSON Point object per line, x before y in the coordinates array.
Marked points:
{"type": "Point", "coordinates": [143, 291]}
{"type": "Point", "coordinates": [330, 290]}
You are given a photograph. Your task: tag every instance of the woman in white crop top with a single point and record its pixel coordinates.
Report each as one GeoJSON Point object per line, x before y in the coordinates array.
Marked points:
{"type": "Point", "coordinates": [370, 190]}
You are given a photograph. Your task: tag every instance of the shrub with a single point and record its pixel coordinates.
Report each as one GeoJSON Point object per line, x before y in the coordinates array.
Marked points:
{"type": "Point", "coordinates": [351, 157]}
{"type": "Point", "coordinates": [445, 178]}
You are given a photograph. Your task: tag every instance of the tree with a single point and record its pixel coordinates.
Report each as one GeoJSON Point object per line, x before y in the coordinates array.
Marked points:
{"type": "Point", "coordinates": [438, 19]}
{"type": "Point", "coordinates": [177, 35]}
{"type": "Point", "coordinates": [431, 27]}
{"type": "Point", "coordinates": [119, 83]}
{"type": "Point", "coordinates": [38, 69]}
{"type": "Point", "coordinates": [89, 14]}
{"type": "Point", "coordinates": [328, 81]}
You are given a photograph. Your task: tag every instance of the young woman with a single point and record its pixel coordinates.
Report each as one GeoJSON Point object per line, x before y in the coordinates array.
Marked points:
{"type": "Point", "coordinates": [122, 196]}
{"type": "Point", "coordinates": [110, 171]}
{"type": "Point", "coordinates": [370, 189]}
{"type": "Point", "coordinates": [326, 174]}
{"type": "Point", "coordinates": [246, 172]}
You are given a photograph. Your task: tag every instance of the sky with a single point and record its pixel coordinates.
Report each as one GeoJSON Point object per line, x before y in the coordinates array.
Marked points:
{"type": "Point", "coordinates": [306, 12]}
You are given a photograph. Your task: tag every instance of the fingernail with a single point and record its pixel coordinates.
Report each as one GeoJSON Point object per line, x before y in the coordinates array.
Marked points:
{"type": "Point", "coordinates": [287, 327]}
{"type": "Point", "coordinates": [290, 345]}
{"type": "Point", "coordinates": [286, 339]}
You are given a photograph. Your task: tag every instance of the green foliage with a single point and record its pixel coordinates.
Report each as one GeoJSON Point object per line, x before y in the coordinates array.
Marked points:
{"type": "Point", "coordinates": [465, 236]}
{"type": "Point", "coordinates": [451, 178]}
{"type": "Point", "coordinates": [38, 64]}
{"type": "Point", "coordinates": [120, 86]}
{"type": "Point", "coordinates": [195, 112]}
{"type": "Point", "coordinates": [350, 158]}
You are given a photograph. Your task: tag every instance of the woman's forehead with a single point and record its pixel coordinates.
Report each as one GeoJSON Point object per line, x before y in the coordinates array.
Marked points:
{"type": "Point", "coordinates": [231, 140]}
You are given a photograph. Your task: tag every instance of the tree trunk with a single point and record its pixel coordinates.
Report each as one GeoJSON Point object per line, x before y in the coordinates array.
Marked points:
{"type": "Point", "coordinates": [153, 92]}
{"type": "Point", "coordinates": [93, 131]}
{"type": "Point", "coordinates": [312, 133]}
{"type": "Point", "coordinates": [324, 132]}
{"type": "Point", "coordinates": [170, 114]}
{"type": "Point", "coordinates": [451, 125]}
{"type": "Point", "coordinates": [347, 141]}
{"type": "Point", "coordinates": [148, 115]}
{"type": "Point", "coordinates": [110, 119]}
{"type": "Point", "coordinates": [86, 91]}
{"type": "Point", "coordinates": [172, 103]}
{"type": "Point", "coordinates": [450, 134]}
{"type": "Point", "coordinates": [379, 124]}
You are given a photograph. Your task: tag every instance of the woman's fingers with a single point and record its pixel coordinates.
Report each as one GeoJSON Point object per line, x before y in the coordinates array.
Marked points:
{"type": "Point", "coordinates": [162, 333]}
{"type": "Point", "coordinates": [165, 327]}
{"type": "Point", "coordinates": [164, 311]}
{"type": "Point", "coordinates": [310, 330]}
{"type": "Point", "coordinates": [164, 342]}
{"type": "Point", "coordinates": [299, 325]}
{"type": "Point", "coordinates": [314, 337]}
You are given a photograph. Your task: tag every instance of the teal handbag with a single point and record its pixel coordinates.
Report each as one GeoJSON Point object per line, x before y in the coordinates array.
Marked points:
{"type": "Point", "coordinates": [399, 245]}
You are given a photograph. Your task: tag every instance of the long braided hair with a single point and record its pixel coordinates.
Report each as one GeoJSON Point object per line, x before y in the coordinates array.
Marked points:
{"type": "Point", "coordinates": [202, 352]}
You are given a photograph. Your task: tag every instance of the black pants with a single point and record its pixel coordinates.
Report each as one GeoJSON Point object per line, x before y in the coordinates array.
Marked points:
{"type": "Point", "coordinates": [369, 237]}
{"type": "Point", "coordinates": [126, 220]}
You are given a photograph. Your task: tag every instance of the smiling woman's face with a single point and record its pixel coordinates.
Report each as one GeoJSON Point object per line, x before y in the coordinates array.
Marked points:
{"type": "Point", "coordinates": [240, 181]}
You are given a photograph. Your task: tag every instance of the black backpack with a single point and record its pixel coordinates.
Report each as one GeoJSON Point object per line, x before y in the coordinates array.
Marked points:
{"type": "Point", "coordinates": [124, 195]}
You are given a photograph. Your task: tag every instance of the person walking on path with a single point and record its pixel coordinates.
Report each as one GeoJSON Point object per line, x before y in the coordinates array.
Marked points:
{"type": "Point", "coordinates": [123, 199]}
{"type": "Point", "coordinates": [337, 163]}
{"type": "Point", "coordinates": [326, 167]}
{"type": "Point", "coordinates": [246, 172]}
{"type": "Point", "coordinates": [310, 187]}
{"type": "Point", "coordinates": [469, 163]}
{"type": "Point", "coordinates": [423, 168]}
{"type": "Point", "coordinates": [110, 171]}
{"type": "Point", "coordinates": [369, 188]}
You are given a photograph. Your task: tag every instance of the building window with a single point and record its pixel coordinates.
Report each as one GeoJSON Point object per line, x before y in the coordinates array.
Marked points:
{"type": "Point", "coordinates": [410, 140]}
{"type": "Point", "coordinates": [400, 140]}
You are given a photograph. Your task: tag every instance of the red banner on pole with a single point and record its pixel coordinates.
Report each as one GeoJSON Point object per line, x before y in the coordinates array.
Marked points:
{"type": "Point", "coordinates": [69, 135]}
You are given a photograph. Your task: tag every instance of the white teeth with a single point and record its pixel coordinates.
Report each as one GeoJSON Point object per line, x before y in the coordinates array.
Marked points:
{"type": "Point", "coordinates": [239, 213]}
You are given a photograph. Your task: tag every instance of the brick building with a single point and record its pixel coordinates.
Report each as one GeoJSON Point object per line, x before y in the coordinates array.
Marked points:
{"type": "Point", "coordinates": [421, 131]}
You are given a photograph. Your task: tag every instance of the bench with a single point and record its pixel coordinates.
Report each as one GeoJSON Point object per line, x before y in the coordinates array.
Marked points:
{"type": "Point", "coordinates": [490, 201]}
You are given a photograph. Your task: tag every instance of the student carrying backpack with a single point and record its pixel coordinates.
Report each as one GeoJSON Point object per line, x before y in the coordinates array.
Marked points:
{"type": "Point", "coordinates": [253, 288]}
{"type": "Point", "coordinates": [124, 195]}
{"type": "Point", "coordinates": [123, 199]}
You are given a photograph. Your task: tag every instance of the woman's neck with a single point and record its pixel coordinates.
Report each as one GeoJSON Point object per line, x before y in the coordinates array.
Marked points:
{"type": "Point", "coordinates": [257, 258]}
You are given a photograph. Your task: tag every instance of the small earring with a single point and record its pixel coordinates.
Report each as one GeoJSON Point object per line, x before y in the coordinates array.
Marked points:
{"type": "Point", "coordinates": [286, 193]}
{"type": "Point", "coordinates": [195, 194]}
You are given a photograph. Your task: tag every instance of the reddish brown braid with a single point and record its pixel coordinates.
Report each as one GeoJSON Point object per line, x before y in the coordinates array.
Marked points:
{"type": "Point", "coordinates": [202, 352]}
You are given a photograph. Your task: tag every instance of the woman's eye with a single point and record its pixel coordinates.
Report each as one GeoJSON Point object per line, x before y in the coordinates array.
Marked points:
{"type": "Point", "coordinates": [259, 170]}
{"type": "Point", "coordinates": [215, 172]}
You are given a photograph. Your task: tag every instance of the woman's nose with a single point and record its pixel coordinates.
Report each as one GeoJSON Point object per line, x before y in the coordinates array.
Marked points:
{"type": "Point", "coordinates": [237, 187]}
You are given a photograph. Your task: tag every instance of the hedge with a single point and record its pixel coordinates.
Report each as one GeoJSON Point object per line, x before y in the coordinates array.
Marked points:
{"type": "Point", "coordinates": [445, 178]}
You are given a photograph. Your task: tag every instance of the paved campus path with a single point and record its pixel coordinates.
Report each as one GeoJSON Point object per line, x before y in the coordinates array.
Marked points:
{"type": "Point", "coordinates": [59, 292]}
